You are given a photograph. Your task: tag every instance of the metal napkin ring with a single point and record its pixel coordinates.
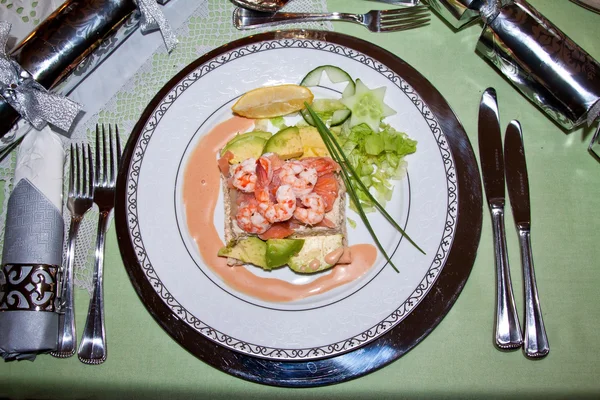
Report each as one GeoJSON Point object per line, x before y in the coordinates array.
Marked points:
{"type": "Point", "coordinates": [28, 287]}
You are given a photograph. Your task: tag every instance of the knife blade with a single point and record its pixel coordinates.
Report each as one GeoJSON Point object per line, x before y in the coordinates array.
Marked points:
{"type": "Point", "coordinates": [507, 328]}
{"type": "Point", "coordinates": [535, 339]}
{"type": "Point", "coordinates": [592, 5]}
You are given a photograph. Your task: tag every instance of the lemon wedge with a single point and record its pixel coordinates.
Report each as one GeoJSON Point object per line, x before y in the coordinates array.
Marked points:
{"type": "Point", "coordinates": [272, 101]}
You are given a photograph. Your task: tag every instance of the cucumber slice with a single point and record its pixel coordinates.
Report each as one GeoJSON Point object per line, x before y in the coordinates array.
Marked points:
{"type": "Point", "coordinates": [331, 111]}
{"type": "Point", "coordinates": [335, 75]}
{"type": "Point", "coordinates": [367, 106]}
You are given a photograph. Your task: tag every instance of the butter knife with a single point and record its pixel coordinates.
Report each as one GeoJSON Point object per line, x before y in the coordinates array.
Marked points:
{"type": "Point", "coordinates": [507, 331]}
{"type": "Point", "coordinates": [535, 339]}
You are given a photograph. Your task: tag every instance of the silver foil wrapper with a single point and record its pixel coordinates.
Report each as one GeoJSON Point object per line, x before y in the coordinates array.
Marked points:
{"type": "Point", "coordinates": [457, 13]}
{"type": "Point", "coordinates": [543, 63]}
{"type": "Point", "coordinates": [70, 44]}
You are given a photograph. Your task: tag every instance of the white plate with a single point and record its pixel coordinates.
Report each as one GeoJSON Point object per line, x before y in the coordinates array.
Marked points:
{"type": "Point", "coordinates": [343, 319]}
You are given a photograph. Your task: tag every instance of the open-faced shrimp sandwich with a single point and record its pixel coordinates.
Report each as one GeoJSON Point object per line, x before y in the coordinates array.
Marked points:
{"type": "Point", "coordinates": [284, 201]}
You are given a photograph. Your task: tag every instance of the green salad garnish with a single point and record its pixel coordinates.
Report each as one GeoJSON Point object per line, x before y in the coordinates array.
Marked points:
{"type": "Point", "coordinates": [377, 158]}
{"type": "Point", "coordinates": [354, 183]}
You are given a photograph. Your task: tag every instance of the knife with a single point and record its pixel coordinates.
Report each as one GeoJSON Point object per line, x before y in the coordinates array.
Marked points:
{"type": "Point", "coordinates": [536, 342]}
{"type": "Point", "coordinates": [507, 331]}
{"type": "Point", "coordinates": [592, 5]}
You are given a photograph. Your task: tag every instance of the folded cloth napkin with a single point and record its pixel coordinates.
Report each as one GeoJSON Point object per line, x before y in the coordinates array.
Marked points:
{"type": "Point", "coordinates": [32, 256]}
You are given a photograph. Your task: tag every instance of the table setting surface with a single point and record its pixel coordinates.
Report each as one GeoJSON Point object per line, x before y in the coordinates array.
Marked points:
{"type": "Point", "coordinates": [458, 357]}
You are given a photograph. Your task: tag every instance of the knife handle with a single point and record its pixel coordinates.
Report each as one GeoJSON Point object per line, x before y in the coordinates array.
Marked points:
{"type": "Point", "coordinates": [508, 331]}
{"type": "Point", "coordinates": [536, 342]}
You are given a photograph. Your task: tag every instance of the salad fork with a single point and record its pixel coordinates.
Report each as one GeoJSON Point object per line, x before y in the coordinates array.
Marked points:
{"type": "Point", "coordinates": [375, 20]}
{"type": "Point", "coordinates": [93, 342]}
{"type": "Point", "coordinates": [80, 200]}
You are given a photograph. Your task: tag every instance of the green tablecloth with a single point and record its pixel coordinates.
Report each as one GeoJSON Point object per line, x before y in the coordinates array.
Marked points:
{"type": "Point", "coordinates": [458, 358]}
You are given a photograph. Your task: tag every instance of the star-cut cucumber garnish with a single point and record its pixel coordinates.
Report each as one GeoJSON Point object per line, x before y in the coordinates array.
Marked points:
{"type": "Point", "coordinates": [367, 106]}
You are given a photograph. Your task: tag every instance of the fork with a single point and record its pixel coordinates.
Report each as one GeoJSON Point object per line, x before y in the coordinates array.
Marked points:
{"type": "Point", "coordinates": [407, 3]}
{"type": "Point", "coordinates": [93, 342]}
{"type": "Point", "coordinates": [80, 200]}
{"type": "Point", "coordinates": [375, 20]}
{"type": "Point", "coordinates": [594, 147]}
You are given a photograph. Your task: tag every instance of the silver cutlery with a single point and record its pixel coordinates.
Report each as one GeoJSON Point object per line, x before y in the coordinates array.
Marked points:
{"type": "Point", "coordinates": [507, 330]}
{"type": "Point", "coordinates": [80, 200]}
{"type": "Point", "coordinates": [535, 340]}
{"type": "Point", "coordinates": [408, 3]}
{"type": "Point", "coordinates": [93, 342]}
{"type": "Point", "coordinates": [592, 5]}
{"type": "Point", "coordinates": [594, 146]}
{"type": "Point", "coordinates": [261, 5]}
{"type": "Point", "coordinates": [375, 20]}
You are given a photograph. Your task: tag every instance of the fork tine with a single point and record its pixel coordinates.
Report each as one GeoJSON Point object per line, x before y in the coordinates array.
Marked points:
{"type": "Point", "coordinates": [399, 20]}
{"type": "Point", "coordinates": [402, 17]}
{"type": "Point", "coordinates": [403, 20]}
{"type": "Point", "coordinates": [119, 153]}
{"type": "Point", "coordinates": [402, 23]}
{"type": "Point", "coordinates": [112, 155]}
{"type": "Point", "coordinates": [91, 182]}
{"type": "Point", "coordinates": [405, 26]}
{"type": "Point", "coordinates": [77, 170]}
{"type": "Point", "coordinates": [97, 182]}
{"type": "Point", "coordinates": [406, 12]}
{"type": "Point", "coordinates": [84, 172]}
{"type": "Point", "coordinates": [71, 177]}
{"type": "Point", "coordinates": [104, 157]}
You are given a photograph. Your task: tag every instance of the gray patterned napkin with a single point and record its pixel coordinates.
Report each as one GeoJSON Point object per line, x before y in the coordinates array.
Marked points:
{"type": "Point", "coordinates": [32, 255]}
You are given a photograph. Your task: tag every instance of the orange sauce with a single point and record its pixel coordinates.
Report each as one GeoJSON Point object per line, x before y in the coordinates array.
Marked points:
{"type": "Point", "coordinates": [201, 186]}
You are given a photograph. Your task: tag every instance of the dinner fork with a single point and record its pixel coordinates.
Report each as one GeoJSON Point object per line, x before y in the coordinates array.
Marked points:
{"type": "Point", "coordinates": [408, 3]}
{"type": "Point", "coordinates": [375, 20]}
{"type": "Point", "coordinates": [80, 200]}
{"type": "Point", "coordinates": [93, 342]}
{"type": "Point", "coordinates": [594, 147]}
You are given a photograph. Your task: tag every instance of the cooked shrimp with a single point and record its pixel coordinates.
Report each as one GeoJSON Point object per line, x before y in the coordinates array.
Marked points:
{"type": "Point", "coordinates": [250, 219]}
{"type": "Point", "coordinates": [275, 161]}
{"type": "Point", "coordinates": [301, 178]}
{"type": "Point", "coordinates": [243, 175]}
{"type": "Point", "coordinates": [265, 168]}
{"type": "Point", "coordinates": [280, 210]}
{"type": "Point", "coordinates": [323, 165]}
{"type": "Point", "coordinates": [278, 206]}
{"type": "Point", "coordinates": [313, 211]}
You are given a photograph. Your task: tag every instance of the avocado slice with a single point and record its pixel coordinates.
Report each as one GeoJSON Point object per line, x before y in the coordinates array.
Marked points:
{"type": "Point", "coordinates": [286, 143]}
{"type": "Point", "coordinates": [279, 251]}
{"type": "Point", "coordinates": [250, 250]}
{"type": "Point", "coordinates": [311, 258]}
{"type": "Point", "coordinates": [245, 136]}
{"type": "Point", "coordinates": [245, 147]}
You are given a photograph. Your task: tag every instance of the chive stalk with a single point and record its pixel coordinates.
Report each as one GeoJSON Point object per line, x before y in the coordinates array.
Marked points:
{"type": "Point", "coordinates": [348, 173]}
